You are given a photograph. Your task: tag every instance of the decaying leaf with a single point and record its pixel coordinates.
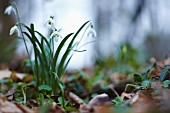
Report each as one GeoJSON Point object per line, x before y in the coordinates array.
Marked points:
{"type": "Point", "coordinates": [5, 107]}
{"type": "Point", "coordinates": [10, 93]}
{"type": "Point", "coordinates": [55, 108]}
{"type": "Point", "coordinates": [76, 98]}
{"type": "Point", "coordinates": [98, 104]}
{"type": "Point", "coordinates": [143, 103]}
{"type": "Point", "coordinates": [101, 99]}
{"type": "Point", "coordinates": [127, 95]}
{"type": "Point", "coordinates": [8, 107]}
{"type": "Point", "coordinates": [13, 75]}
{"type": "Point", "coordinates": [162, 63]}
{"type": "Point", "coordinates": [5, 74]}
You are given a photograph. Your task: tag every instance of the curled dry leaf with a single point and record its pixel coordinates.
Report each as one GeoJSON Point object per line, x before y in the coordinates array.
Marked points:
{"type": "Point", "coordinates": [13, 75]}
{"type": "Point", "coordinates": [18, 76]}
{"type": "Point", "coordinates": [98, 104]}
{"type": "Point", "coordinates": [101, 99]}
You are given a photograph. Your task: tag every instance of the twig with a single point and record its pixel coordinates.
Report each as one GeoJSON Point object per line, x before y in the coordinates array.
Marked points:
{"type": "Point", "coordinates": [76, 98]}
{"type": "Point", "coordinates": [113, 89]}
{"type": "Point", "coordinates": [129, 85]}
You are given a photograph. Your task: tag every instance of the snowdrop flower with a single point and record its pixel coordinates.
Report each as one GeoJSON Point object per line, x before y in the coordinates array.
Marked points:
{"type": "Point", "coordinates": [50, 22]}
{"type": "Point", "coordinates": [13, 30]}
{"type": "Point", "coordinates": [92, 32]}
{"type": "Point", "coordinates": [56, 35]}
{"type": "Point", "coordinates": [10, 9]}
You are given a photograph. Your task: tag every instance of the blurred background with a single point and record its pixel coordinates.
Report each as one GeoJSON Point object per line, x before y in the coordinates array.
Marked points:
{"type": "Point", "coordinates": [136, 25]}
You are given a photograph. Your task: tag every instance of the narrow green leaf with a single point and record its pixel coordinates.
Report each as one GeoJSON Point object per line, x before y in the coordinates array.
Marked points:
{"type": "Point", "coordinates": [44, 87]}
{"type": "Point", "coordinates": [145, 74]}
{"type": "Point", "coordinates": [37, 41]}
{"type": "Point", "coordinates": [63, 60]}
{"type": "Point", "coordinates": [118, 101]}
{"type": "Point", "coordinates": [43, 38]}
{"type": "Point", "coordinates": [59, 49]}
{"type": "Point", "coordinates": [78, 50]}
{"type": "Point", "coordinates": [60, 100]}
{"type": "Point", "coordinates": [137, 78]}
{"type": "Point", "coordinates": [69, 108]}
{"type": "Point", "coordinates": [164, 72]}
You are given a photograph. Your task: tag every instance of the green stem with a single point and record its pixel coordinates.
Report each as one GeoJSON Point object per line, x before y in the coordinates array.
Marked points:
{"type": "Point", "coordinates": [18, 19]}
{"type": "Point", "coordinates": [62, 93]}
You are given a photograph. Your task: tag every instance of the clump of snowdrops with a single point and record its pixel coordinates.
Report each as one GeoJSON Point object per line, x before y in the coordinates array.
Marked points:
{"type": "Point", "coordinates": [47, 67]}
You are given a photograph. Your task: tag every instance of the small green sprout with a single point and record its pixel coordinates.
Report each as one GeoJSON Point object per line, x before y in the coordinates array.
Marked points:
{"type": "Point", "coordinates": [146, 83]}
{"type": "Point", "coordinates": [118, 101]}
{"type": "Point", "coordinates": [166, 83]}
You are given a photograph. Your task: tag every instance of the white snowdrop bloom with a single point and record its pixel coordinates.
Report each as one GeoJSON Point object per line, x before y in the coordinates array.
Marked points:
{"type": "Point", "coordinates": [91, 33]}
{"type": "Point", "coordinates": [13, 30]}
{"type": "Point", "coordinates": [55, 35]}
{"type": "Point", "coordinates": [10, 9]}
{"type": "Point", "coordinates": [50, 21]}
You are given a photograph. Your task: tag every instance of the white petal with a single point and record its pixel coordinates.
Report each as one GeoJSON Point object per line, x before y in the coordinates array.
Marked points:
{"type": "Point", "coordinates": [13, 30]}
{"type": "Point", "coordinates": [9, 9]}
{"type": "Point", "coordinates": [50, 22]}
{"type": "Point", "coordinates": [13, 9]}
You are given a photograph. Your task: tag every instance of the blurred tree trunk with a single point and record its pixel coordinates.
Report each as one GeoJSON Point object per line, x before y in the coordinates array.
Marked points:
{"type": "Point", "coordinates": [103, 25]}
{"type": "Point", "coordinates": [7, 43]}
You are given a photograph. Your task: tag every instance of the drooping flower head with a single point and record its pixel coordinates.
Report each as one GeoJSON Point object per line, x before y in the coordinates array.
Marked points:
{"type": "Point", "coordinates": [92, 32]}
{"type": "Point", "coordinates": [14, 29]}
{"type": "Point", "coordinates": [55, 35]}
{"type": "Point", "coordinates": [50, 22]}
{"type": "Point", "coordinates": [9, 10]}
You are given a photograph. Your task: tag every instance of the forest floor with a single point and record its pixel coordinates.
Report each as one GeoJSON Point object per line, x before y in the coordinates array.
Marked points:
{"type": "Point", "coordinates": [90, 91]}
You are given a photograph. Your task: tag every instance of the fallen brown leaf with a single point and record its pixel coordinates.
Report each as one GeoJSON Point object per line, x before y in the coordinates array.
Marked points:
{"type": "Point", "coordinates": [8, 107]}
